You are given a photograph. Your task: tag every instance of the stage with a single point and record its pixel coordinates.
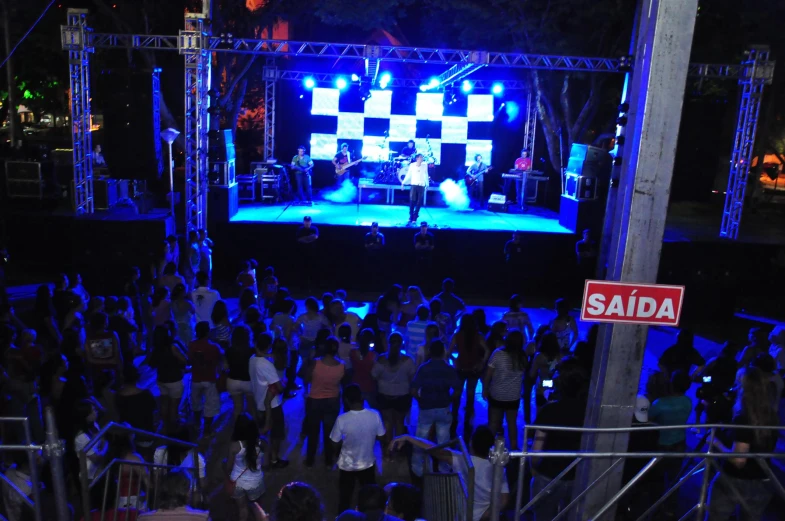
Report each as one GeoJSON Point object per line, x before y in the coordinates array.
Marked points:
{"type": "Point", "coordinates": [535, 220]}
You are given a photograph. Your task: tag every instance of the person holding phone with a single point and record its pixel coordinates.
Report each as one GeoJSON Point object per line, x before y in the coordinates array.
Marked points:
{"type": "Point", "coordinates": [543, 366]}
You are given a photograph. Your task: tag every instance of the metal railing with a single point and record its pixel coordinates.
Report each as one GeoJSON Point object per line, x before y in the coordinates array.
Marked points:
{"type": "Point", "coordinates": [137, 475]}
{"type": "Point", "coordinates": [446, 501]}
{"type": "Point", "coordinates": [53, 450]}
{"type": "Point", "coordinates": [500, 456]}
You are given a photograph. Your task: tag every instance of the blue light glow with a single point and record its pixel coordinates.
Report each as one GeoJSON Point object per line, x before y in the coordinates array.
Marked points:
{"type": "Point", "coordinates": [355, 77]}
{"type": "Point", "coordinates": [423, 87]}
{"type": "Point", "coordinates": [341, 83]}
{"type": "Point", "coordinates": [433, 83]}
{"type": "Point", "coordinates": [497, 88]}
{"type": "Point", "coordinates": [384, 80]}
{"type": "Point", "coordinates": [467, 86]}
{"type": "Point", "coordinates": [309, 83]}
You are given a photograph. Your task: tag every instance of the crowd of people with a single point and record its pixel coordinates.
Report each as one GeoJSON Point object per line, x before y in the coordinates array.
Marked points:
{"type": "Point", "coordinates": [359, 378]}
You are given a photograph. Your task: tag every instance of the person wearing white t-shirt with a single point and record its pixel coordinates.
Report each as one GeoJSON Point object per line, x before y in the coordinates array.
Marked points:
{"type": "Point", "coordinates": [204, 298]}
{"type": "Point", "coordinates": [481, 444]}
{"type": "Point", "coordinates": [355, 434]}
{"type": "Point", "coordinates": [267, 390]}
{"type": "Point", "coordinates": [417, 178]}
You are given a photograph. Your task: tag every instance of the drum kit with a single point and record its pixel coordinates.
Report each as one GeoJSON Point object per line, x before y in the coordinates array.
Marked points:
{"type": "Point", "coordinates": [394, 169]}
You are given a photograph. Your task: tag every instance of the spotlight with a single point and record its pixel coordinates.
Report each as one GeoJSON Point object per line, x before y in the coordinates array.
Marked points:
{"type": "Point", "coordinates": [423, 87]}
{"type": "Point", "coordinates": [433, 83]}
{"type": "Point", "coordinates": [309, 83]}
{"type": "Point", "coordinates": [384, 80]}
{"type": "Point", "coordinates": [340, 83]}
{"type": "Point", "coordinates": [365, 92]}
{"type": "Point", "coordinates": [301, 96]}
{"type": "Point", "coordinates": [467, 86]}
{"type": "Point", "coordinates": [497, 88]}
{"type": "Point", "coordinates": [355, 77]}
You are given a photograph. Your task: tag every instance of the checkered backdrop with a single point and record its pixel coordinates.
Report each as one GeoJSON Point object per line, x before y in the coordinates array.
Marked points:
{"type": "Point", "coordinates": [389, 118]}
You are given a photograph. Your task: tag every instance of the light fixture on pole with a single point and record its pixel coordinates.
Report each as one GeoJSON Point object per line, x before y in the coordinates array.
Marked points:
{"type": "Point", "coordinates": [169, 135]}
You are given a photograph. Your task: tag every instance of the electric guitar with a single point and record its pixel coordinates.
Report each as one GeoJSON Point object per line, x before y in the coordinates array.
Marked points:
{"type": "Point", "coordinates": [302, 169]}
{"type": "Point", "coordinates": [470, 179]}
{"type": "Point", "coordinates": [341, 169]}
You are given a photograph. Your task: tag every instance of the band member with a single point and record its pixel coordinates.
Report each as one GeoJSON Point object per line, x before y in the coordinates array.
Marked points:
{"type": "Point", "coordinates": [476, 190]}
{"type": "Point", "coordinates": [409, 150]}
{"type": "Point", "coordinates": [341, 158]}
{"type": "Point", "coordinates": [302, 166]}
{"type": "Point", "coordinates": [523, 163]}
{"type": "Point", "coordinates": [417, 177]}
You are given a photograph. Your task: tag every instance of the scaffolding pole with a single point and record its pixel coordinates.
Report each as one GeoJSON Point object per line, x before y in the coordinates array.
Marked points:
{"type": "Point", "coordinates": [270, 77]}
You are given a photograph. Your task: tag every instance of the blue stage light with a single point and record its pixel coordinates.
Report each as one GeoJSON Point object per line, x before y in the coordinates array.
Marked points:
{"type": "Point", "coordinates": [466, 86]}
{"type": "Point", "coordinates": [355, 77]}
{"type": "Point", "coordinates": [341, 83]}
{"type": "Point", "coordinates": [309, 83]}
{"type": "Point", "coordinates": [384, 80]}
{"type": "Point", "coordinates": [423, 87]}
{"type": "Point", "coordinates": [497, 88]}
{"type": "Point", "coordinates": [433, 83]}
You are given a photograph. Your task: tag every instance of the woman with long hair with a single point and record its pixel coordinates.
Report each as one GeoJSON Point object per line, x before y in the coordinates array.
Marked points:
{"type": "Point", "coordinates": [180, 455]}
{"type": "Point", "coordinates": [472, 353]}
{"type": "Point", "coordinates": [388, 307]}
{"type": "Point", "coordinates": [394, 373]}
{"type": "Point", "coordinates": [221, 333]}
{"type": "Point", "coordinates": [564, 326]}
{"type": "Point", "coordinates": [308, 325]}
{"type": "Point", "coordinates": [323, 378]}
{"type": "Point", "coordinates": [238, 382]}
{"type": "Point", "coordinates": [482, 321]}
{"type": "Point", "coordinates": [740, 476]}
{"type": "Point", "coordinates": [246, 300]}
{"type": "Point", "coordinates": [244, 464]}
{"type": "Point", "coordinates": [169, 358]}
{"type": "Point", "coordinates": [502, 383]}
{"type": "Point", "coordinates": [517, 318]}
{"type": "Point", "coordinates": [496, 335]}
{"type": "Point", "coordinates": [371, 321]}
{"type": "Point", "coordinates": [85, 427]}
{"type": "Point", "coordinates": [184, 314]}
{"type": "Point", "coordinates": [544, 365]}
{"type": "Point", "coordinates": [414, 299]}
{"type": "Point", "coordinates": [361, 362]}
{"type": "Point", "coordinates": [161, 307]}
{"type": "Point", "coordinates": [432, 333]}
{"type": "Point", "coordinates": [132, 478]}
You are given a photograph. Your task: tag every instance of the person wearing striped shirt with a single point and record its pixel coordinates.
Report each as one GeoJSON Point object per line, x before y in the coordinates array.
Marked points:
{"type": "Point", "coordinates": [415, 329]}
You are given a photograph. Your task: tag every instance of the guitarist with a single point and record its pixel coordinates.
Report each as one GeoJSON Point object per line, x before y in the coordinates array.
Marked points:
{"type": "Point", "coordinates": [302, 165]}
{"type": "Point", "coordinates": [476, 189]}
{"type": "Point", "coordinates": [341, 158]}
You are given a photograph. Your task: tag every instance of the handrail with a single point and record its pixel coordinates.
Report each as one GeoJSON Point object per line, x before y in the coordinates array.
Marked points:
{"type": "Point", "coordinates": [125, 428]}
{"type": "Point", "coordinates": [642, 428]}
{"type": "Point", "coordinates": [467, 459]}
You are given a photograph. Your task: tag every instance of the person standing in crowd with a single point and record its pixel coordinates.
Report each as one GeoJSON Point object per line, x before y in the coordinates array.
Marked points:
{"type": "Point", "coordinates": [682, 356]}
{"type": "Point", "coordinates": [404, 502]}
{"type": "Point", "coordinates": [502, 383]}
{"type": "Point", "coordinates": [307, 233]}
{"type": "Point", "coordinates": [744, 478]}
{"type": "Point", "coordinates": [174, 249]}
{"type": "Point", "coordinates": [238, 382]}
{"type": "Point", "coordinates": [424, 244]}
{"type": "Point", "coordinates": [267, 391]}
{"type": "Point", "coordinates": [355, 433]}
{"type": "Point", "coordinates": [169, 358]}
{"type": "Point", "coordinates": [205, 252]}
{"type": "Point", "coordinates": [75, 286]}
{"type": "Point", "coordinates": [179, 455]}
{"type": "Point", "coordinates": [123, 323]}
{"type": "Point", "coordinates": [567, 411]}
{"type": "Point", "coordinates": [246, 279]}
{"type": "Point", "coordinates": [302, 166]}
{"type": "Point", "coordinates": [175, 488]}
{"type": "Point", "coordinates": [170, 277]}
{"type": "Point", "coordinates": [443, 320]}
{"type": "Point", "coordinates": [768, 367]}
{"type": "Point", "coordinates": [374, 242]}
{"type": "Point", "coordinates": [221, 331]}
{"type": "Point", "coordinates": [480, 445]}
{"type": "Point", "coordinates": [361, 362]}
{"type": "Point", "coordinates": [517, 318]}
{"type": "Point", "coordinates": [564, 326]}
{"type": "Point", "coordinates": [415, 299]}
{"type": "Point", "coordinates": [45, 316]}
{"type": "Point", "coordinates": [777, 349]}
{"type": "Point", "coordinates": [717, 378]}
{"type": "Point", "coordinates": [323, 402]}
{"type": "Point", "coordinates": [434, 386]}
{"type": "Point", "coordinates": [298, 502]}
{"type": "Point", "coordinates": [184, 314]}
{"type": "Point", "coordinates": [638, 500]}
{"type": "Point", "coordinates": [451, 303]}
{"type": "Point", "coordinates": [206, 358]}
{"type": "Point", "coordinates": [137, 407]}
{"type": "Point", "coordinates": [102, 347]}
{"type": "Point", "coordinates": [85, 425]}
{"type": "Point", "coordinates": [394, 372]}
{"type": "Point", "coordinates": [432, 334]}
{"type": "Point", "coordinates": [472, 353]}
{"type": "Point", "coordinates": [418, 180]}
{"type": "Point", "coordinates": [308, 325]}
{"type": "Point", "coordinates": [193, 258]}
{"type": "Point", "coordinates": [204, 298]}
{"type": "Point", "coordinates": [162, 258]}
{"type": "Point", "coordinates": [61, 298]}
{"type": "Point", "coordinates": [161, 307]}
{"type": "Point", "coordinates": [415, 329]}
{"type": "Point", "coordinates": [244, 464]}
{"type": "Point", "coordinates": [339, 315]}
{"type": "Point", "coordinates": [757, 343]}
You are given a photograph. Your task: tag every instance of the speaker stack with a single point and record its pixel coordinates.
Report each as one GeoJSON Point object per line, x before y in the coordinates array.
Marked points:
{"type": "Point", "coordinates": [585, 185]}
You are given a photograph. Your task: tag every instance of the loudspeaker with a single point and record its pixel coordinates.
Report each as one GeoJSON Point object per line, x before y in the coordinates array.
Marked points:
{"type": "Point", "coordinates": [131, 147]}
{"type": "Point", "coordinates": [497, 203]}
{"type": "Point", "coordinates": [221, 145]}
{"type": "Point", "coordinates": [579, 215]}
{"type": "Point", "coordinates": [589, 161]}
{"type": "Point", "coordinates": [223, 202]}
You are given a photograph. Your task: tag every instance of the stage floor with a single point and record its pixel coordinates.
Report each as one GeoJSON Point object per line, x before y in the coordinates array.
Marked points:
{"type": "Point", "coordinates": [327, 213]}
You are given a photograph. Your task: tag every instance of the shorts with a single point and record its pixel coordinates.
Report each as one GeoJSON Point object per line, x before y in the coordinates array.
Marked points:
{"type": "Point", "coordinates": [171, 389]}
{"type": "Point", "coordinates": [212, 402]}
{"type": "Point", "coordinates": [278, 430]}
{"type": "Point", "coordinates": [238, 386]}
{"type": "Point", "coordinates": [251, 493]}
{"type": "Point", "coordinates": [505, 405]}
{"type": "Point", "coordinates": [400, 404]}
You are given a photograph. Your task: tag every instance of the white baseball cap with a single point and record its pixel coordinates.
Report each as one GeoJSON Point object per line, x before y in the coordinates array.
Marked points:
{"type": "Point", "coordinates": [642, 408]}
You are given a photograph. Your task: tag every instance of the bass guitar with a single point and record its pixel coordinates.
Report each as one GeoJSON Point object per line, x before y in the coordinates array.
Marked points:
{"type": "Point", "coordinates": [340, 169]}
{"type": "Point", "coordinates": [470, 179]}
{"type": "Point", "coordinates": [302, 169]}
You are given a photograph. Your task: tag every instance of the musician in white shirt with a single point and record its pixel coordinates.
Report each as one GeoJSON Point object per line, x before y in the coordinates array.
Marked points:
{"type": "Point", "coordinates": [417, 178]}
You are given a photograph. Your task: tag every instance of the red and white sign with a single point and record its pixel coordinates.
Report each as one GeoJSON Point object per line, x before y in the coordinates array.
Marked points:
{"type": "Point", "coordinates": [629, 303]}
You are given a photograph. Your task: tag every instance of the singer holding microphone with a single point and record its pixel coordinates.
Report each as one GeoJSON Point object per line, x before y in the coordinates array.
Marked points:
{"type": "Point", "coordinates": [417, 178]}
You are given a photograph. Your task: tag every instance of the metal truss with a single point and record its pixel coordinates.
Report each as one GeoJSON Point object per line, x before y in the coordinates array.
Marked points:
{"type": "Point", "coordinates": [192, 45]}
{"type": "Point", "coordinates": [459, 71]}
{"type": "Point", "coordinates": [75, 39]}
{"type": "Point", "coordinates": [758, 71]}
{"type": "Point", "coordinates": [409, 83]}
{"type": "Point", "coordinates": [157, 118]}
{"type": "Point", "coordinates": [270, 76]}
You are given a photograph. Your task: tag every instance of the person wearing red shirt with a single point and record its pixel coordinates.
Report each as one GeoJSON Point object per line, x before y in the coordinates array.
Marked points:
{"type": "Point", "coordinates": [206, 358]}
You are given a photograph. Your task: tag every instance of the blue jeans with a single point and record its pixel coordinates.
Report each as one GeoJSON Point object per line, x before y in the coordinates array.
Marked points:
{"type": "Point", "coordinates": [441, 419]}
{"type": "Point", "coordinates": [724, 497]}
{"type": "Point", "coordinates": [557, 497]}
